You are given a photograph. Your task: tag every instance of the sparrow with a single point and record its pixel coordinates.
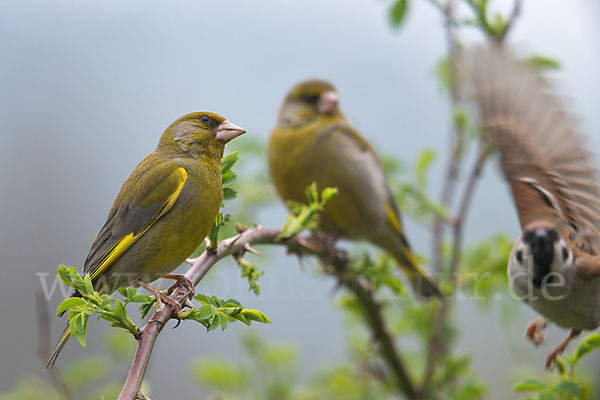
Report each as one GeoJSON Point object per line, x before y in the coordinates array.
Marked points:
{"type": "Point", "coordinates": [554, 266]}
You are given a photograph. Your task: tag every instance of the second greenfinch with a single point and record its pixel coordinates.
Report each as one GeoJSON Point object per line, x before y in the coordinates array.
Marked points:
{"type": "Point", "coordinates": [314, 142]}
{"type": "Point", "coordinates": [164, 210]}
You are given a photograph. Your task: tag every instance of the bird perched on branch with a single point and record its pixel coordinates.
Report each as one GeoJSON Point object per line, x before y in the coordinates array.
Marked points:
{"type": "Point", "coordinates": [314, 142]}
{"type": "Point", "coordinates": [164, 210]}
{"type": "Point", "coordinates": [554, 266]}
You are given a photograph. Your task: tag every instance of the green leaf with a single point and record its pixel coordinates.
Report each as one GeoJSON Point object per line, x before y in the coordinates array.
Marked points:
{"type": "Point", "coordinates": [71, 302]}
{"type": "Point", "coordinates": [78, 325]}
{"type": "Point", "coordinates": [256, 315]}
{"type": "Point", "coordinates": [311, 193]}
{"type": "Point", "coordinates": [64, 274]}
{"type": "Point", "coordinates": [202, 298]}
{"type": "Point", "coordinates": [542, 63]}
{"type": "Point", "coordinates": [229, 193]}
{"type": "Point", "coordinates": [398, 13]}
{"type": "Point", "coordinates": [328, 194]}
{"type": "Point", "coordinates": [568, 388]}
{"type": "Point", "coordinates": [426, 158]}
{"type": "Point", "coordinates": [529, 384]}
{"type": "Point", "coordinates": [197, 314]}
{"type": "Point", "coordinates": [547, 395]}
{"type": "Point", "coordinates": [587, 344]}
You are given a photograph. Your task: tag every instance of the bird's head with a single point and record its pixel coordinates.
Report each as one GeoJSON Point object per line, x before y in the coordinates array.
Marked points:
{"type": "Point", "coordinates": [199, 133]}
{"type": "Point", "coordinates": [542, 250]}
{"type": "Point", "coordinates": [308, 101]}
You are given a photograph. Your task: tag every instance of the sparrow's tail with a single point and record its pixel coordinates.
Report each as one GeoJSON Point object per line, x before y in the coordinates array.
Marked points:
{"type": "Point", "coordinates": [59, 346]}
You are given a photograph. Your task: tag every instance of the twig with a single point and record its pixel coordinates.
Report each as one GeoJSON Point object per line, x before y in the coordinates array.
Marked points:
{"type": "Point", "coordinates": [374, 316]}
{"type": "Point", "coordinates": [298, 245]}
{"type": "Point", "coordinates": [436, 348]}
{"type": "Point", "coordinates": [44, 346]}
{"type": "Point", "coordinates": [452, 168]}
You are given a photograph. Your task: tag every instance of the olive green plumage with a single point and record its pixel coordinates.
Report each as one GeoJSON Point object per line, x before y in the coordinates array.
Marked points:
{"type": "Point", "coordinates": [313, 142]}
{"type": "Point", "coordinates": [165, 208]}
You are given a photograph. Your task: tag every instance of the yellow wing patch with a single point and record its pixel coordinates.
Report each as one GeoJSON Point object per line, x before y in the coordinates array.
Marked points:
{"type": "Point", "coordinates": [393, 218]}
{"type": "Point", "coordinates": [128, 240]}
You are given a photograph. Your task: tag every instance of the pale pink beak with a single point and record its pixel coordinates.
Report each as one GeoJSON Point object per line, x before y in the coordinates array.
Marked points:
{"type": "Point", "coordinates": [227, 131]}
{"type": "Point", "coordinates": [328, 102]}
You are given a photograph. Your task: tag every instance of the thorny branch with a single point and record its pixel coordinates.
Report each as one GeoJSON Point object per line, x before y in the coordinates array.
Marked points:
{"type": "Point", "coordinates": [334, 262]}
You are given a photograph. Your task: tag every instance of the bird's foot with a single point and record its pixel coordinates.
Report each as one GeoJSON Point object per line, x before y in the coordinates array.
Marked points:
{"type": "Point", "coordinates": [181, 280]}
{"type": "Point", "coordinates": [535, 330]}
{"type": "Point", "coordinates": [161, 298]}
{"type": "Point", "coordinates": [560, 349]}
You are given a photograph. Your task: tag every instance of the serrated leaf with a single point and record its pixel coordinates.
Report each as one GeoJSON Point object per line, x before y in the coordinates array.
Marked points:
{"type": "Point", "coordinates": [78, 325]}
{"type": "Point", "coordinates": [71, 302]}
{"type": "Point", "coordinates": [529, 384]}
{"type": "Point", "coordinates": [398, 13]}
{"type": "Point", "coordinates": [231, 303]}
{"type": "Point", "coordinates": [229, 193]}
{"type": "Point", "coordinates": [214, 322]}
{"type": "Point", "coordinates": [64, 274]}
{"type": "Point", "coordinates": [197, 314]}
{"type": "Point", "coordinates": [87, 283]}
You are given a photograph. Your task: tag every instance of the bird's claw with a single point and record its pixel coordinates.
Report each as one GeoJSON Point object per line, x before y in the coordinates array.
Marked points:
{"type": "Point", "coordinates": [181, 280]}
{"type": "Point", "coordinates": [535, 330]}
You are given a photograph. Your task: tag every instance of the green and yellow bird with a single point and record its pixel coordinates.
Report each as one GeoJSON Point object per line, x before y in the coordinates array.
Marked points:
{"type": "Point", "coordinates": [314, 142]}
{"type": "Point", "coordinates": [164, 210]}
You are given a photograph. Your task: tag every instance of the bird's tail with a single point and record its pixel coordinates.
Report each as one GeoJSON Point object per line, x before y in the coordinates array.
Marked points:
{"type": "Point", "coordinates": [59, 346]}
{"type": "Point", "coordinates": [423, 285]}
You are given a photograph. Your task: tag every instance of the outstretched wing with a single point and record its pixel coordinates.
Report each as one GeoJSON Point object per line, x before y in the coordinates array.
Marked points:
{"type": "Point", "coordinates": [543, 157]}
{"type": "Point", "coordinates": [148, 194]}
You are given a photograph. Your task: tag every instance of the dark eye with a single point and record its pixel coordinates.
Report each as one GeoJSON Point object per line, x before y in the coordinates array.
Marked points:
{"type": "Point", "coordinates": [519, 256]}
{"type": "Point", "coordinates": [205, 118]}
{"type": "Point", "coordinates": [565, 254]}
{"type": "Point", "coordinates": [310, 98]}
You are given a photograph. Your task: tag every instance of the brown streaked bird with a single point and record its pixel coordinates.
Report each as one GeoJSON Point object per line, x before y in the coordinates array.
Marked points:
{"type": "Point", "coordinates": [554, 266]}
{"type": "Point", "coordinates": [314, 142]}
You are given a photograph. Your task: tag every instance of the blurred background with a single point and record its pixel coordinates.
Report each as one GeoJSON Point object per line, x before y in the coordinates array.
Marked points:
{"type": "Point", "coordinates": [88, 87]}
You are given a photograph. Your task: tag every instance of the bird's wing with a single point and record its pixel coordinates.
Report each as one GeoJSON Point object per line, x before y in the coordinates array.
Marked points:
{"type": "Point", "coordinates": [543, 157]}
{"type": "Point", "coordinates": [148, 194]}
{"type": "Point", "coordinates": [373, 168]}
{"type": "Point", "coordinates": [587, 265]}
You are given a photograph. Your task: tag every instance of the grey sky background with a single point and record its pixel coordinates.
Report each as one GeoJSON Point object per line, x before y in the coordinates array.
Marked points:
{"type": "Point", "coordinates": [88, 87]}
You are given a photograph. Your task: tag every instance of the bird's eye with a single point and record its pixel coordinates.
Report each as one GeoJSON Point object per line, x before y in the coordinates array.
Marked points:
{"type": "Point", "coordinates": [565, 254]}
{"type": "Point", "coordinates": [310, 98]}
{"type": "Point", "coordinates": [204, 118]}
{"type": "Point", "coordinates": [519, 256]}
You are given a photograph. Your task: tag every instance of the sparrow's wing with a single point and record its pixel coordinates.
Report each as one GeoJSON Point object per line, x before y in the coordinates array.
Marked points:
{"type": "Point", "coordinates": [543, 157]}
{"type": "Point", "coordinates": [588, 265]}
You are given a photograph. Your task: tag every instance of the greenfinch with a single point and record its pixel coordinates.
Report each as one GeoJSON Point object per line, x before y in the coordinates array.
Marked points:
{"type": "Point", "coordinates": [164, 210]}
{"type": "Point", "coordinates": [314, 142]}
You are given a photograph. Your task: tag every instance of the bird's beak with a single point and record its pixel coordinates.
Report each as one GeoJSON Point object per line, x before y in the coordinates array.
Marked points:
{"type": "Point", "coordinates": [227, 131]}
{"type": "Point", "coordinates": [328, 102]}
